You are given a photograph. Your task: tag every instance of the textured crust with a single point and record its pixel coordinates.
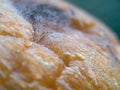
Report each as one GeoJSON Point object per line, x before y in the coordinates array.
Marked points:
{"type": "Point", "coordinates": [51, 45]}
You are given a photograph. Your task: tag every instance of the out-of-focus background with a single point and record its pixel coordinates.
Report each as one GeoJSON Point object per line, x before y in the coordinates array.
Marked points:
{"type": "Point", "coordinates": [107, 11]}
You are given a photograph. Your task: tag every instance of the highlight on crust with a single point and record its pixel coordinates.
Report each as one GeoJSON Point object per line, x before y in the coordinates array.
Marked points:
{"type": "Point", "coordinates": [52, 45]}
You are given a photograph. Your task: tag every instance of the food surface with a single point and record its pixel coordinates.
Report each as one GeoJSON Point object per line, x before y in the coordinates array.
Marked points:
{"type": "Point", "coordinates": [52, 45]}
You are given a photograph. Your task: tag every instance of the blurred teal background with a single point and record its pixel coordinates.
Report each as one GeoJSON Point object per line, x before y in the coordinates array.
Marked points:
{"type": "Point", "coordinates": [107, 11]}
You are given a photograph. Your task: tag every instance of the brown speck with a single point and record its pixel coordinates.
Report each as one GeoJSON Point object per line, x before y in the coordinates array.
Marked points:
{"type": "Point", "coordinates": [1, 15]}
{"type": "Point", "coordinates": [81, 25]}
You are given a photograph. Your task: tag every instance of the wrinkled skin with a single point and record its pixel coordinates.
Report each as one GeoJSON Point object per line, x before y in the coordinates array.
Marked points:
{"type": "Point", "coordinates": [51, 45]}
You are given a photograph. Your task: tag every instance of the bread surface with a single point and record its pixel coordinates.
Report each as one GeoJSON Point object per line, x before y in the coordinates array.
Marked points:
{"type": "Point", "coordinates": [52, 45]}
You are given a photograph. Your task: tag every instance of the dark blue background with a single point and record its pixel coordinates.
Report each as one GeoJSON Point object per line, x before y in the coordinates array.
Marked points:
{"type": "Point", "coordinates": [107, 11]}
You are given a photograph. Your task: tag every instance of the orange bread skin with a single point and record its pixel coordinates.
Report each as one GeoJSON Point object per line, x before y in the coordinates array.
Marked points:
{"type": "Point", "coordinates": [52, 45]}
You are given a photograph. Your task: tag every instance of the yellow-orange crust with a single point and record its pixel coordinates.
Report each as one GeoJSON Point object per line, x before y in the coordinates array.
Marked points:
{"type": "Point", "coordinates": [80, 55]}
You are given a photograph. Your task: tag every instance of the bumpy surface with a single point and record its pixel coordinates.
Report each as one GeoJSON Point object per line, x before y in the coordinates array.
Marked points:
{"type": "Point", "coordinates": [51, 45]}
